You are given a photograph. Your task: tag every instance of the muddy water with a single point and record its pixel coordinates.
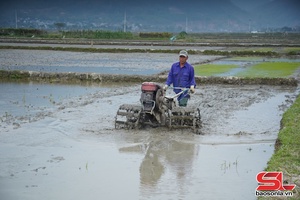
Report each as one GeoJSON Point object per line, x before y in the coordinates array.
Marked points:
{"type": "Point", "coordinates": [107, 63]}
{"type": "Point", "coordinates": [20, 99]}
{"type": "Point", "coordinates": [72, 151]}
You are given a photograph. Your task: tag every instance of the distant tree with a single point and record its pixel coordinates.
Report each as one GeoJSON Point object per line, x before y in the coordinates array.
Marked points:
{"type": "Point", "coordinates": [182, 35]}
{"type": "Point", "coordinates": [59, 25]}
{"type": "Point", "coordinates": [286, 29]}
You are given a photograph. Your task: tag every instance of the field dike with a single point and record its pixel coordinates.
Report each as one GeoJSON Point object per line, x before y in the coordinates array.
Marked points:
{"type": "Point", "coordinates": [72, 77]}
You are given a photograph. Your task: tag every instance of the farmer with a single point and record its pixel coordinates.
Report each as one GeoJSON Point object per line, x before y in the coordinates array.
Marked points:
{"type": "Point", "coordinates": [182, 75]}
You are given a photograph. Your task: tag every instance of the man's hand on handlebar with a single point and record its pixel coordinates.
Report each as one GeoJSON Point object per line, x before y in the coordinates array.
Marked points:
{"type": "Point", "coordinates": [165, 87]}
{"type": "Point", "coordinates": [192, 89]}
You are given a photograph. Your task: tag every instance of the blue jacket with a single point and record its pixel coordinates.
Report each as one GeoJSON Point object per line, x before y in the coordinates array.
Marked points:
{"type": "Point", "coordinates": [181, 77]}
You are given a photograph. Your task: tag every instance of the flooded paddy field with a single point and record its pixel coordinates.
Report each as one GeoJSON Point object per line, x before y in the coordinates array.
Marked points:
{"type": "Point", "coordinates": [59, 142]}
{"type": "Point", "coordinates": [71, 150]}
{"type": "Point", "coordinates": [108, 63]}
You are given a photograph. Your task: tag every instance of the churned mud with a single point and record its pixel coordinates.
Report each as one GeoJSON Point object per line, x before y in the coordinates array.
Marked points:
{"type": "Point", "coordinates": [59, 142]}
{"type": "Point", "coordinates": [69, 149]}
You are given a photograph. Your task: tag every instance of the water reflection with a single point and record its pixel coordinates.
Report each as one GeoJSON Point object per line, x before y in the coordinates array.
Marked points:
{"type": "Point", "coordinates": [151, 168]}
{"type": "Point", "coordinates": [164, 157]}
{"type": "Point", "coordinates": [181, 166]}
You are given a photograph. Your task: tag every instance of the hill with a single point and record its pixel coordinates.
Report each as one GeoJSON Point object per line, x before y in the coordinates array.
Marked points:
{"type": "Point", "coordinates": [145, 15]}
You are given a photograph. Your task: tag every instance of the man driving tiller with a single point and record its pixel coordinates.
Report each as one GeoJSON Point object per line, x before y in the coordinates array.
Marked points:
{"type": "Point", "coordinates": [182, 75]}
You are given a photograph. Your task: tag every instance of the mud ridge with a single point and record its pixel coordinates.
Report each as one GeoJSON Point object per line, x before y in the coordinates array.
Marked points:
{"type": "Point", "coordinates": [73, 77]}
{"type": "Point", "coordinates": [208, 42]}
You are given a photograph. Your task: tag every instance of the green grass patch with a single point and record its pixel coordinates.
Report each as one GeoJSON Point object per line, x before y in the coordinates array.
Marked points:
{"type": "Point", "coordinates": [292, 50]}
{"type": "Point", "coordinates": [212, 69]}
{"type": "Point", "coordinates": [270, 69]}
{"type": "Point", "coordinates": [287, 150]}
{"type": "Point", "coordinates": [240, 53]}
{"type": "Point", "coordinates": [247, 58]}
{"type": "Point", "coordinates": [289, 49]}
{"type": "Point", "coordinates": [261, 49]}
{"type": "Point", "coordinates": [254, 49]}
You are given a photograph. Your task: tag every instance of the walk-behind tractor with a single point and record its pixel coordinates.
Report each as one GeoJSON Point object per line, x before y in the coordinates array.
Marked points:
{"type": "Point", "coordinates": [157, 109]}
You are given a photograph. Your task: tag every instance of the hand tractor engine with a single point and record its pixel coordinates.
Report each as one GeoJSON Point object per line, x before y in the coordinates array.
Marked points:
{"type": "Point", "coordinates": [155, 110]}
